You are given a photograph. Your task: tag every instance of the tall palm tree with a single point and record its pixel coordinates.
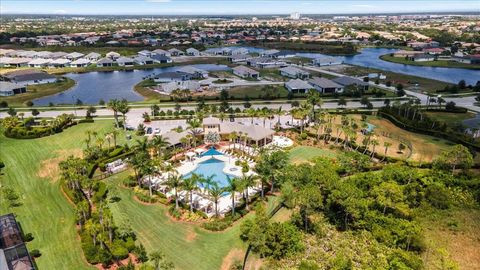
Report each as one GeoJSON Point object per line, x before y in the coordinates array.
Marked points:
{"type": "Point", "coordinates": [159, 143]}
{"type": "Point", "coordinates": [279, 112]}
{"type": "Point", "coordinates": [232, 186]}
{"type": "Point", "coordinates": [175, 182]}
{"type": "Point", "coordinates": [123, 108]}
{"type": "Point", "coordinates": [233, 137]}
{"type": "Point", "coordinates": [386, 145]}
{"type": "Point", "coordinates": [314, 99]}
{"type": "Point", "coordinates": [252, 113]}
{"type": "Point", "coordinates": [114, 137]}
{"type": "Point", "coordinates": [215, 192]}
{"type": "Point", "coordinates": [149, 169]}
{"type": "Point", "coordinates": [190, 185]}
{"type": "Point", "coordinates": [247, 181]}
{"type": "Point", "coordinates": [113, 104]}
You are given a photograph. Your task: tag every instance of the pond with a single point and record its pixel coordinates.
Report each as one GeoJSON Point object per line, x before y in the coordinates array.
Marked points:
{"type": "Point", "coordinates": [91, 87]}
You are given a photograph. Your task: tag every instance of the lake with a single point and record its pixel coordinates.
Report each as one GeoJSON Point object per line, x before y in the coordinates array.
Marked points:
{"type": "Point", "coordinates": [91, 87]}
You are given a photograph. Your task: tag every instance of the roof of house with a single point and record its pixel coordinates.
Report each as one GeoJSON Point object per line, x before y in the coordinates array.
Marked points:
{"type": "Point", "coordinates": [175, 50]}
{"type": "Point", "coordinates": [326, 59]}
{"type": "Point", "coordinates": [293, 70]}
{"type": "Point", "coordinates": [8, 86]}
{"type": "Point", "coordinates": [142, 58]}
{"type": "Point", "coordinates": [105, 61]}
{"type": "Point", "coordinates": [39, 61]}
{"type": "Point", "coordinates": [74, 55]}
{"type": "Point", "coordinates": [239, 56]}
{"type": "Point", "coordinates": [81, 61]}
{"type": "Point", "coordinates": [192, 70]}
{"type": "Point", "coordinates": [211, 121]}
{"type": "Point", "coordinates": [43, 54]}
{"type": "Point", "coordinates": [57, 54]}
{"type": "Point", "coordinates": [254, 132]}
{"type": "Point", "coordinates": [144, 52]}
{"type": "Point", "coordinates": [298, 84]}
{"type": "Point", "coordinates": [112, 54]}
{"type": "Point", "coordinates": [160, 51]}
{"type": "Point", "coordinates": [28, 75]}
{"type": "Point", "coordinates": [174, 137]}
{"type": "Point", "coordinates": [60, 61]}
{"type": "Point", "coordinates": [125, 60]}
{"type": "Point", "coordinates": [244, 70]}
{"type": "Point", "coordinates": [92, 55]}
{"type": "Point", "coordinates": [172, 75]}
{"type": "Point", "coordinates": [160, 57]}
{"type": "Point", "coordinates": [192, 50]}
{"type": "Point", "coordinates": [346, 80]}
{"type": "Point", "coordinates": [324, 83]}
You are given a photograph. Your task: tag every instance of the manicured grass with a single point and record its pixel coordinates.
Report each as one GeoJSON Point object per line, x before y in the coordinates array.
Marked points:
{"type": "Point", "coordinates": [301, 154]}
{"type": "Point", "coordinates": [45, 212]}
{"type": "Point", "coordinates": [450, 118]}
{"type": "Point", "coordinates": [187, 245]}
{"type": "Point", "coordinates": [258, 92]}
{"type": "Point", "coordinates": [143, 88]}
{"type": "Point", "coordinates": [40, 90]}
{"type": "Point", "coordinates": [438, 63]}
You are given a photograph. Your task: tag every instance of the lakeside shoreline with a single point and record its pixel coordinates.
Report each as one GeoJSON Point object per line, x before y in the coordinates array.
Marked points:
{"type": "Point", "coordinates": [437, 63]}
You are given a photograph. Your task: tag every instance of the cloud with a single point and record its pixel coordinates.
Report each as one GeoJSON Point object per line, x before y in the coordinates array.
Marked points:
{"type": "Point", "coordinates": [159, 1]}
{"type": "Point", "coordinates": [363, 6]}
{"type": "Point", "coordinates": [60, 11]}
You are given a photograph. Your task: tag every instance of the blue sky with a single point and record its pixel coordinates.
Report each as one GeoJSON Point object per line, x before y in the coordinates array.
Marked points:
{"type": "Point", "coordinates": [219, 7]}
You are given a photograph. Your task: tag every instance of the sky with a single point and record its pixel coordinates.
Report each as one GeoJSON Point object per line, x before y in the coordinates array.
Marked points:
{"type": "Point", "coordinates": [231, 7]}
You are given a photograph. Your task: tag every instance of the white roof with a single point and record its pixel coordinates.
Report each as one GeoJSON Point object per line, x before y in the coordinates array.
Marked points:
{"type": "Point", "coordinates": [80, 61]}
{"type": "Point", "coordinates": [92, 55]}
{"type": "Point", "coordinates": [60, 61]}
{"type": "Point", "coordinates": [8, 86]}
{"type": "Point", "coordinates": [39, 61]}
{"type": "Point", "coordinates": [298, 84]}
{"type": "Point", "coordinates": [113, 54]}
{"type": "Point", "coordinates": [74, 55]}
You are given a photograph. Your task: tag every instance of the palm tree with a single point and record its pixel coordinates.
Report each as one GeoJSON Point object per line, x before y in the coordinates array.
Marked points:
{"type": "Point", "coordinates": [374, 143]}
{"type": "Point", "coordinates": [123, 108]}
{"type": "Point", "coordinates": [246, 182]}
{"type": "Point", "coordinates": [175, 182]}
{"type": "Point", "coordinates": [314, 99]}
{"type": "Point", "coordinates": [113, 104]}
{"type": "Point", "coordinates": [252, 113]}
{"type": "Point", "coordinates": [190, 185]}
{"type": "Point", "coordinates": [279, 112]}
{"type": "Point", "coordinates": [215, 192]}
{"type": "Point", "coordinates": [142, 144]}
{"type": "Point", "coordinates": [232, 186]}
{"type": "Point", "coordinates": [386, 145]}
{"type": "Point", "coordinates": [159, 143]}
{"type": "Point", "coordinates": [114, 136]}
{"type": "Point", "coordinates": [222, 116]}
{"type": "Point", "coordinates": [148, 168]}
{"type": "Point", "coordinates": [233, 137]}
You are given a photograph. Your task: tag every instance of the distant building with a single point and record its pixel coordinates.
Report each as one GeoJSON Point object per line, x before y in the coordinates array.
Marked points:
{"type": "Point", "coordinates": [143, 60]}
{"type": "Point", "coordinates": [295, 16]}
{"type": "Point", "coordinates": [297, 86]}
{"type": "Point", "coordinates": [125, 62]}
{"type": "Point", "coordinates": [10, 89]}
{"type": "Point", "coordinates": [162, 59]}
{"type": "Point", "coordinates": [422, 58]}
{"type": "Point", "coordinates": [113, 55]}
{"type": "Point", "coordinates": [192, 52]}
{"type": "Point", "coordinates": [326, 61]}
{"type": "Point", "coordinates": [105, 62]}
{"type": "Point", "coordinates": [349, 81]}
{"type": "Point", "coordinates": [93, 56]}
{"type": "Point", "coordinates": [294, 72]}
{"type": "Point", "coordinates": [325, 85]}
{"type": "Point", "coordinates": [245, 72]}
{"type": "Point", "coordinates": [166, 77]}
{"type": "Point", "coordinates": [29, 76]}
{"type": "Point", "coordinates": [82, 62]}
{"type": "Point", "coordinates": [194, 72]}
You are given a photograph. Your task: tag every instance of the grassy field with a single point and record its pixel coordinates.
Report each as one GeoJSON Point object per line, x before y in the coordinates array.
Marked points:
{"type": "Point", "coordinates": [301, 154]}
{"type": "Point", "coordinates": [450, 118]}
{"type": "Point", "coordinates": [438, 63]}
{"type": "Point", "coordinates": [413, 83]}
{"type": "Point", "coordinates": [185, 244]}
{"type": "Point", "coordinates": [41, 90]}
{"type": "Point", "coordinates": [258, 92]}
{"type": "Point", "coordinates": [452, 239]}
{"type": "Point", "coordinates": [31, 169]}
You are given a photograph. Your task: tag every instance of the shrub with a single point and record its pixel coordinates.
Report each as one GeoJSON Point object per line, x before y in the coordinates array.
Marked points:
{"type": "Point", "coordinates": [28, 237]}
{"type": "Point", "coordinates": [118, 249]}
{"type": "Point", "coordinates": [35, 253]}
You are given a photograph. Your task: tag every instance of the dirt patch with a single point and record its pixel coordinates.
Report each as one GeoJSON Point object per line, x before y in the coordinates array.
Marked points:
{"type": "Point", "coordinates": [233, 256]}
{"type": "Point", "coordinates": [191, 236]}
{"type": "Point", "coordinates": [49, 167]}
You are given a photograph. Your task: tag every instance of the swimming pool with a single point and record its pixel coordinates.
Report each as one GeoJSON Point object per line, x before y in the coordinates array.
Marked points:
{"type": "Point", "coordinates": [212, 167]}
{"type": "Point", "coordinates": [211, 152]}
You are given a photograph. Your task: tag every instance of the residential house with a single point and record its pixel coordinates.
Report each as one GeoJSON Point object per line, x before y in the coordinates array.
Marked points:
{"type": "Point", "coordinates": [18, 62]}
{"type": "Point", "coordinates": [57, 55]}
{"type": "Point", "coordinates": [125, 62]}
{"type": "Point", "coordinates": [265, 62]}
{"type": "Point", "coordinates": [240, 51]}
{"type": "Point", "coordinates": [192, 52]}
{"type": "Point", "coordinates": [325, 85]}
{"type": "Point", "coordinates": [194, 72]}
{"type": "Point", "coordinates": [349, 81]}
{"type": "Point", "coordinates": [160, 52]}
{"type": "Point", "coordinates": [467, 59]}
{"type": "Point", "coordinates": [145, 53]}
{"type": "Point", "coordinates": [433, 50]}
{"type": "Point", "coordinates": [169, 87]}
{"type": "Point", "coordinates": [10, 89]}
{"type": "Point", "coordinates": [59, 62]}
{"type": "Point", "coordinates": [422, 58]}
{"type": "Point", "coordinates": [297, 86]}
{"type": "Point", "coordinates": [166, 77]}
{"type": "Point", "coordinates": [282, 54]}
{"type": "Point", "coordinates": [236, 58]}
{"type": "Point", "coordinates": [294, 72]}
{"type": "Point", "coordinates": [176, 52]}
{"type": "Point", "coordinates": [269, 53]}
{"type": "Point", "coordinates": [404, 53]}
{"type": "Point", "coordinates": [29, 76]}
{"type": "Point", "coordinates": [42, 54]}
{"type": "Point", "coordinates": [74, 56]}
{"type": "Point", "coordinates": [245, 72]}
{"type": "Point", "coordinates": [105, 62]}
{"type": "Point", "coordinates": [39, 63]}
{"type": "Point", "coordinates": [93, 57]}
{"type": "Point", "coordinates": [113, 55]}
{"type": "Point", "coordinates": [326, 61]}
{"type": "Point", "coordinates": [143, 60]}
{"type": "Point", "coordinates": [163, 59]}
{"type": "Point", "coordinates": [82, 62]}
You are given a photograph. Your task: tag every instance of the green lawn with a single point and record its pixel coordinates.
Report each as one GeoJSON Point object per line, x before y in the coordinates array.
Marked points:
{"type": "Point", "coordinates": [301, 154]}
{"type": "Point", "coordinates": [450, 118]}
{"type": "Point", "coordinates": [45, 212]}
{"type": "Point", "coordinates": [439, 63]}
{"type": "Point", "coordinates": [188, 246]}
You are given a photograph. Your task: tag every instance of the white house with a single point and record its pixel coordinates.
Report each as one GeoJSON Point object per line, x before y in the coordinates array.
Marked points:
{"type": "Point", "coordinates": [113, 55]}
{"type": "Point", "coordinates": [245, 72]}
{"type": "Point", "coordinates": [125, 62]}
{"type": "Point", "coordinates": [82, 62]}
{"type": "Point", "coordinates": [93, 57]}
{"type": "Point", "coordinates": [74, 55]}
{"type": "Point", "coordinates": [294, 72]}
{"type": "Point", "coordinates": [325, 85]}
{"type": "Point", "coordinates": [193, 52]}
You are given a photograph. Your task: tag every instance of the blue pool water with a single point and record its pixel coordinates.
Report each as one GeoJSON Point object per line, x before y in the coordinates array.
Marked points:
{"type": "Point", "coordinates": [212, 167]}
{"type": "Point", "coordinates": [370, 127]}
{"type": "Point", "coordinates": [211, 152]}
